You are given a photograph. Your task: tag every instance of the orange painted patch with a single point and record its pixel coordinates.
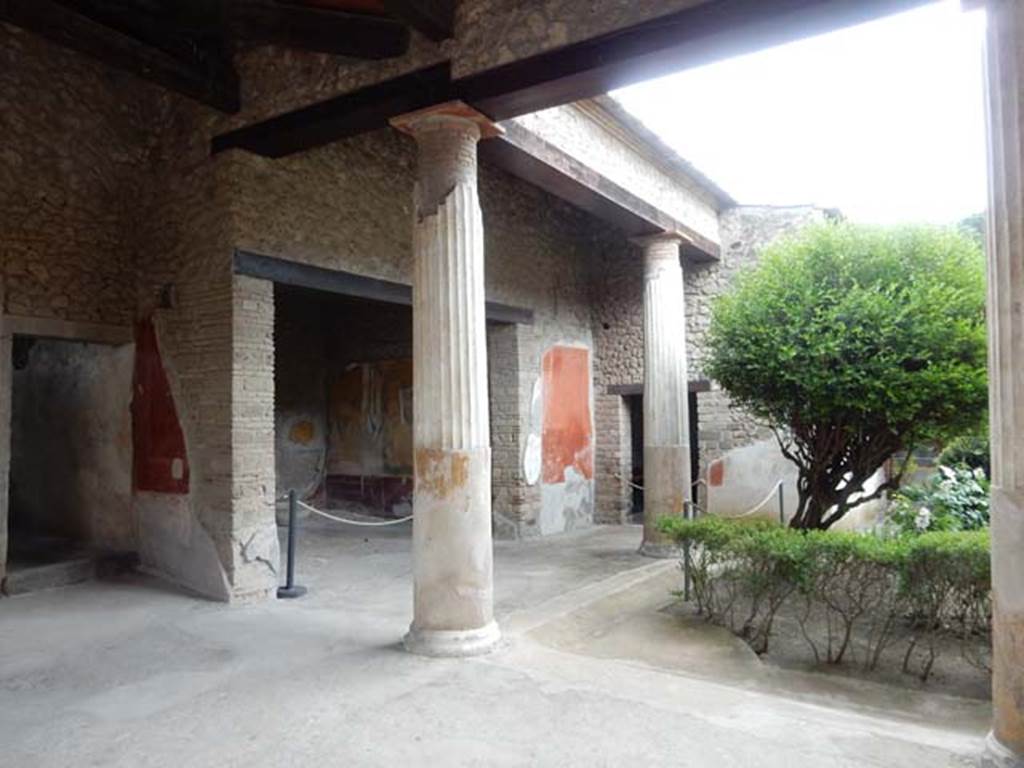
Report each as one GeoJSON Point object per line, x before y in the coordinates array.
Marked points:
{"type": "Point", "coordinates": [567, 438]}
{"type": "Point", "coordinates": [716, 473]}
{"type": "Point", "coordinates": [302, 432]}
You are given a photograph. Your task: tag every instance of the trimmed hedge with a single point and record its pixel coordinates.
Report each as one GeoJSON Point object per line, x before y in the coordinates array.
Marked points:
{"type": "Point", "coordinates": [852, 593]}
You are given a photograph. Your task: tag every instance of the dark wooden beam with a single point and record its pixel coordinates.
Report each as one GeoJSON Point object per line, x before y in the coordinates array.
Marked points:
{"type": "Point", "coordinates": [700, 34]}
{"type": "Point", "coordinates": [315, 29]}
{"type": "Point", "coordinates": [695, 385]}
{"type": "Point", "coordinates": [211, 81]}
{"type": "Point", "coordinates": [367, 109]}
{"type": "Point", "coordinates": [433, 18]}
{"type": "Point", "coordinates": [531, 158]}
{"type": "Point", "coordinates": [356, 286]}
{"type": "Point", "coordinates": [714, 30]}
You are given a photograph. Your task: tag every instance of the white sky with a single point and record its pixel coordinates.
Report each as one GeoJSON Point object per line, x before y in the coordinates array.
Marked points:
{"type": "Point", "coordinates": [884, 121]}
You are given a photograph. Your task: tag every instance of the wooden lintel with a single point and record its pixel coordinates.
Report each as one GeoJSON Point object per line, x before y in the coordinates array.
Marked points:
{"type": "Point", "coordinates": [366, 109]}
{"type": "Point", "coordinates": [696, 35]}
{"type": "Point", "coordinates": [315, 29]}
{"type": "Point", "coordinates": [344, 283]}
{"type": "Point", "coordinates": [215, 83]}
{"type": "Point", "coordinates": [434, 19]}
{"type": "Point", "coordinates": [625, 390]}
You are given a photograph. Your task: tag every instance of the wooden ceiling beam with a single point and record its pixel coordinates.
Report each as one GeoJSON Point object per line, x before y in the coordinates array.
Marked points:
{"type": "Point", "coordinates": [212, 82]}
{"type": "Point", "coordinates": [433, 18]}
{"type": "Point", "coordinates": [314, 29]}
{"type": "Point", "coordinates": [367, 109]}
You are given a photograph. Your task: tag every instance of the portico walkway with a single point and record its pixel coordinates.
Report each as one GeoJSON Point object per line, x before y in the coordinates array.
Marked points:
{"type": "Point", "coordinates": [129, 674]}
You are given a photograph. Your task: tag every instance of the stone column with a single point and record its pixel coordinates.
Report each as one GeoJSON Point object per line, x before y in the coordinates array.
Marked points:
{"type": "Point", "coordinates": [666, 413]}
{"type": "Point", "coordinates": [452, 549]}
{"type": "Point", "coordinates": [1005, 80]}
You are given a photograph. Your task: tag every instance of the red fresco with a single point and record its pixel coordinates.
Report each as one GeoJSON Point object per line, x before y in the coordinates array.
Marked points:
{"type": "Point", "coordinates": [568, 431]}
{"type": "Point", "coordinates": [156, 431]}
{"type": "Point", "coordinates": [716, 473]}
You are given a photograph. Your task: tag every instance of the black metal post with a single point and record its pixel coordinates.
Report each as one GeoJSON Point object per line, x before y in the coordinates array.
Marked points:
{"type": "Point", "coordinates": [290, 588]}
{"type": "Point", "coordinates": [688, 514]}
{"type": "Point", "coordinates": [782, 507]}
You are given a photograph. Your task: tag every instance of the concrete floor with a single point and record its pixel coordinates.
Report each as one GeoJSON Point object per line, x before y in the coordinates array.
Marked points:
{"type": "Point", "coordinates": [593, 672]}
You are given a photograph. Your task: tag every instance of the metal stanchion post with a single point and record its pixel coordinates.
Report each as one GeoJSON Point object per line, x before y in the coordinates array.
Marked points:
{"type": "Point", "coordinates": [290, 588]}
{"type": "Point", "coordinates": [782, 507]}
{"type": "Point", "coordinates": [688, 512]}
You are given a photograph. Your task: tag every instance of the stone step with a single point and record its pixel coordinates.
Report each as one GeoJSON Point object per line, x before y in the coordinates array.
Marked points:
{"type": "Point", "coordinates": [50, 575]}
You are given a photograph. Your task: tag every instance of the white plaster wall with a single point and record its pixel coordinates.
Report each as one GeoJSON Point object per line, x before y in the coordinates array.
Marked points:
{"type": "Point", "coordinates": [748, 475]}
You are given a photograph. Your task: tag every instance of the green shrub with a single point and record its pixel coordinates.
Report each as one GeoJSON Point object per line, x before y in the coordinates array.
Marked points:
{"type": "Point", "coordinates": [971, 451]}
{"type": "Point", "coordinates": [855, 344]}
{"type": "Point", "coordinates": [860, 587]}
{"type": "Point", "coordinates": [955, 499]}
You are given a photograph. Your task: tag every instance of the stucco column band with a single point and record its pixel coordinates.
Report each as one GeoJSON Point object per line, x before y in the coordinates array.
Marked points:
{"type": "Point", "coordinates": [452, 549]}
{"type": "Point", "coordinates": [666, 415]}
{"type": "Point", "coordinates": [1005, 79]}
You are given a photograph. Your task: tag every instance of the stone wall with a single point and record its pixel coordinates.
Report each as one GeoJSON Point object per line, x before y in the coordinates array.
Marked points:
{"type": "Point", "coordinates": [617, 280]}
{"type": "Point", "coordinates": [348, 206]}
{"type": "Point", "coordinates": [73, 143]}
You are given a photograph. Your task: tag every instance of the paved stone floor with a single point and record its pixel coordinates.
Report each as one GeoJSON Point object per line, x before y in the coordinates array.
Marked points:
{"type": "Point", "coordinates": [593, 672]}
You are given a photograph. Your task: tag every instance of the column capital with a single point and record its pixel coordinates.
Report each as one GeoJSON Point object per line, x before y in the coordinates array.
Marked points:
{"type": "Point", "coordinates": [453, 114]}
{"type": "Point", "coordinates": [658, 239]}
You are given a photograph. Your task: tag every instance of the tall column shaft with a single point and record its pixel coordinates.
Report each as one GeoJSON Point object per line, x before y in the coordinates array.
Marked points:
{"type": "Point", "coordinates": [452, 548]}
{"type": "Point", "coordinates": [1005, 79]}
{"type": "Point", "coordinates": [666, 412]}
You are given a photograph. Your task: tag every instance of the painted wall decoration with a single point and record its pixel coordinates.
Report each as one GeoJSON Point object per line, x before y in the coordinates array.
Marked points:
{"type": "Point", "coordinates": [567, 436]}
{"type": "Point", "coordinates": [567, 441]}
{"type": "Point", "coordinates": [371, 419]}
{"type": "Point", "coordinates": [160, 457]}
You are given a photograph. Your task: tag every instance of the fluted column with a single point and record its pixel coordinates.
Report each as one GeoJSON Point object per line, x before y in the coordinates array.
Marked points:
{"type": "Point", "coordinates": [666, 414]}
{"type": "Point", "coordinates": [452, 549]}
{"type": "Point", "coordinates": [1005, 79]}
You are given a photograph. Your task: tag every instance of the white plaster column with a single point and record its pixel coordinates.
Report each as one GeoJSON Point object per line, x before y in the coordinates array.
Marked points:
{"type": "Point", "coordinates": [666, 388]}
{"type": "Point", "coordinates": [1005, 80]}
{"type": "Point", "coordinates": [452, 549]}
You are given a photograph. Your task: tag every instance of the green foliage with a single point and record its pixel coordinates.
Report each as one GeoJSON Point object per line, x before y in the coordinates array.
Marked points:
{"type": "Point", "coordinates": [954, 499]}
{"type": "Point", "coordinates": [854, 344]}
{"type": "Point", "coordinates": [970, 450]}
{"type": "Point", "coordinates": [860, 587]}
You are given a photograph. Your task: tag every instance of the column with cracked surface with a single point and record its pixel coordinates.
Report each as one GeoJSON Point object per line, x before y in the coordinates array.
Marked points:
{"type": "Point", "coordinates": [452, 548]}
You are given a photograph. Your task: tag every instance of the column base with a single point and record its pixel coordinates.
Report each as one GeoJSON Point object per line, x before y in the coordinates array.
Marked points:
{"type": "Point", "coordinates": [452, 643]}
{"type": "Point", "coordinates": [663, 551]}
{"type": "Point", "coordinates": [998, 756]}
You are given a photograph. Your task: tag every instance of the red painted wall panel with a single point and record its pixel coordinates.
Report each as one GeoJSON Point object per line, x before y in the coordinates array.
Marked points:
{"type": "Point", "coordinates": [160, 459]}
{"type": "Point", "coordinates": [567, 439]}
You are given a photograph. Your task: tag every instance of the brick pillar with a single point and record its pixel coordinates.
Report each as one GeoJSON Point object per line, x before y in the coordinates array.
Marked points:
{"type": "Point", "coordinates": [1005, 81]}
{"type": "Point", "coordinates": [666, 431]}
{"type": "Point", "coordinates": [452, 549]}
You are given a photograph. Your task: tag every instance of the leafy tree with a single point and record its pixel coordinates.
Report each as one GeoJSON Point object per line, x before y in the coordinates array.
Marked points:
{"type": "Point", "coordinates": [855, 344]}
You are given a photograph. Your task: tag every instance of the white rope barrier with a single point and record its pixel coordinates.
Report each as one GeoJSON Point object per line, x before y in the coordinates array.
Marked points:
{"type": "Point", "coordinates": [348, 521]}
{"type": "Point", "coordinates": [758, 506]}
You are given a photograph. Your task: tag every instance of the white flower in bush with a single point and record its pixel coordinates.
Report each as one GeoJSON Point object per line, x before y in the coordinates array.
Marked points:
{"type": "Point", "coordinates": [923, 519]}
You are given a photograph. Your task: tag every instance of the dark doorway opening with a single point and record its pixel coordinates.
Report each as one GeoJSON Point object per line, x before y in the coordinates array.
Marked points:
{"type": "Point", "coordinates": [635, 410]}
{"type": "Point", "coordinates": [69, 496]}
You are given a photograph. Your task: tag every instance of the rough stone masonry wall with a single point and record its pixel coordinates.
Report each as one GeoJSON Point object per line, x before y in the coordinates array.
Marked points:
{"type": "Point", "coordinates": [73, 143]}
{"type": "Point", "coordinates": [349, 205]}
{"type": "Point", "coordinates": [618, 339]}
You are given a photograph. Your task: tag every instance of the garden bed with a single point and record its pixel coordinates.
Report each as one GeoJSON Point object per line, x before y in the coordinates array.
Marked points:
{"type": "Point", "coordinates": [914, 607]}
